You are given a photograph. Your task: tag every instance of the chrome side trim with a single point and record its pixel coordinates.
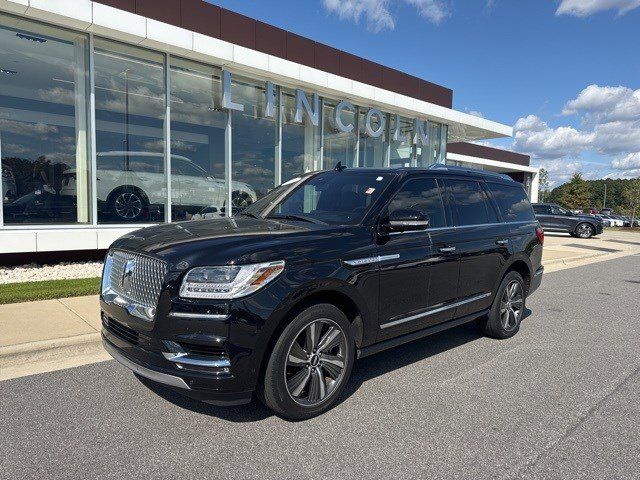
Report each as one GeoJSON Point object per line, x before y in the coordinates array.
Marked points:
{"type": "Point", "coordinates": [437, 229]}
{"type": "Point", "coordinates": [369, 260]}
{"type": "Point", "coordinates": [143, 371]}
{"type": "Point", "coordinates": [203, 316]}
{"type": "Point", "coordinates": [539, 272]}
{"type": "Point", "coordinates": [186, 359]}
{"type": "Point", "coordinates": [435, 310]}
{"type": "Point", "coordinates": [180, 357]}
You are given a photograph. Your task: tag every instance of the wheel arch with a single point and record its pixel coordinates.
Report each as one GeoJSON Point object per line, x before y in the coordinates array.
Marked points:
{"type": "Point", "coordinates": [332, 295]}
{"type": "Point", "coordinates": [520, 264]}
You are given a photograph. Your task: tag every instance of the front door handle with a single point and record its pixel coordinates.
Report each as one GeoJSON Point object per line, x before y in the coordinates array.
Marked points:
{"type": "Point", "coordinates": [502, 241]}
{"type": "Point", "coordinates": [447, 249]}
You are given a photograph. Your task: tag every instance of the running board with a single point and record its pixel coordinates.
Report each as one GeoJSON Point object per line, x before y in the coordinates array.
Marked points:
{"type": "Point", "coordinates": [410, 337]}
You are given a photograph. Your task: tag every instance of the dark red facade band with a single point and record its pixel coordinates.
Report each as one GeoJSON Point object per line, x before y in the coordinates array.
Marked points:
{"type": "Point", "coordinates": [202, 17]}
{"type": "Point", "coordinates": [473, 150]}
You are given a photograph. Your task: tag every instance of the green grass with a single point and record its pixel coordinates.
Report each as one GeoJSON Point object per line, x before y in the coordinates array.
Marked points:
{"type": "Point", "coordinates": [30, 291]}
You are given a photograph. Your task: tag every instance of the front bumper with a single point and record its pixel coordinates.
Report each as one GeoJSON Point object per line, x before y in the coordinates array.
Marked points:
{"type": "Point", "coordinates": [189, 354]}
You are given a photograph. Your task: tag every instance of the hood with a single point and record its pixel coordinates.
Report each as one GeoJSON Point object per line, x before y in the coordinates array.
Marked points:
{"type": "Point", "coordinates": [159, 238]}
{"type": "Point", "coordinates": [220, 241]}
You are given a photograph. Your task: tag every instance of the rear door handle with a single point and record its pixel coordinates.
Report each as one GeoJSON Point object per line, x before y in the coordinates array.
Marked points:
{"type": "Point", "coordinates": [502, 241]}
{"type": "Point", "coordinates": [447, 249]}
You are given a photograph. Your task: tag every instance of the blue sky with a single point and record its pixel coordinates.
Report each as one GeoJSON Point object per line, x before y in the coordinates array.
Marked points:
{"type": "Point", "coordinates": [565, 73]}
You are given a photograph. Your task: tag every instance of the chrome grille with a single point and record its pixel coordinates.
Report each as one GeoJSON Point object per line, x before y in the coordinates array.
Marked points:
{"type": "Point", "coordinates": [144, 277]}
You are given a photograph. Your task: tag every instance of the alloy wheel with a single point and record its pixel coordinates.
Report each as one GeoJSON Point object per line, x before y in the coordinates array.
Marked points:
{"type": "Point", "coordinates": [316, 362]}
{"type": "Point", "coordinates": [128, 205]}
{"type": "Point", "coordinates": [511, 305]}
{"type": "Point", "coordinates": [584, 230]}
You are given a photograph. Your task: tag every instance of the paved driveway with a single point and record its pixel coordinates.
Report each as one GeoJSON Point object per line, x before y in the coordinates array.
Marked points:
{"type": "Point", "coordinates": [560, 400]}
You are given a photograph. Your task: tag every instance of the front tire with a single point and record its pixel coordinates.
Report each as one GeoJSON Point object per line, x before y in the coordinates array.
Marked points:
{"type": "Point", "coordinates": [310, 364]}
{"type": "Point", "coordinates": [584, 230]}
{"type": "Point", "coordinates": [503, 320]}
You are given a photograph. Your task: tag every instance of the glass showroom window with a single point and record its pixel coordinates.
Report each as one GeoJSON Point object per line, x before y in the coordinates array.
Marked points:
{"type": "Point", "coordinates": [428, 155]}
{"type": "Point", "coordinates": [198, 187]}
{"type": "Point", "coordinates": [130, 146]}
{"type": "Point", "coordinates": [253, 144]}
{"type": "Point", "coordinates": [300, 141]}
{"type": "Point", "coordinates": [373, 150]}
{"type": "Point", "coordinates": [43, 124]}
{"type": "Point", "coordinates": [401, 148]}
{"type": "Point", "coordinates": [339, 146]}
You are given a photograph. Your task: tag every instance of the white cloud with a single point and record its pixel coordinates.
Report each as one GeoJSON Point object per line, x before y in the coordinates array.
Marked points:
{"type": "Point", "coordinates": [629, 162]}
{"type": "Point", "coordinates": [476, 113]}
{"type": "Point", "coordinates": [433, 10]}
{"type": "Point", "coordinates": [599, 104]}
{"type": "Point", "coordinates": [609, 127]}
{"type": "Point", "coordinates": [584, 8]}
{"type": "Point", "coordinates": [377, 13]}
{"type": "Point", "coordinates": [536, 138]}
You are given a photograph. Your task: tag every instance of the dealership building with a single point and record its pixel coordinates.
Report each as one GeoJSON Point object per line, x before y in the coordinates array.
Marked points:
{"type": "Point", "coordinates": [117, 114]}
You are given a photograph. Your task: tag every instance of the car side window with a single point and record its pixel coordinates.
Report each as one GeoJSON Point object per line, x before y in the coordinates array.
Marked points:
{"type": "Point", "coordinates": [421, 194]}
{"type": "Point", "coordinates": [512, 201]}
{"type": "Point", "coordinates": [541, 209]}
{"type": "Point", "coordinates": [555, 210]}
{"type": "Point", "coordinates": [470, 202]}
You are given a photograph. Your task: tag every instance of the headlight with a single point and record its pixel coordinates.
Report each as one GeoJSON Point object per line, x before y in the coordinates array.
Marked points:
{"type": "Point", "coordinates": [228, 282]}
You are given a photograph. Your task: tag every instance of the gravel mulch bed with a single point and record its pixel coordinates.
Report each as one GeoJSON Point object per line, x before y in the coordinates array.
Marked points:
{"type": "Point", "coordinates": [60, 271]}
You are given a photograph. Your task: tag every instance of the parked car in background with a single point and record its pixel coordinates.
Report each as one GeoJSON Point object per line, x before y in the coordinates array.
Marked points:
{"type": "Point", "coordinates": [129, 182]}
{"type": "Point", "coordinates": [554, 218]}
{"type": "Point", "coordinates": [9, 187]}
{"type": "Point", "coordinates": [282, 298]}
{"type": "Point", "coordinates": [612, 221]}
{"type": "Point", "coordinates": [605, 221]}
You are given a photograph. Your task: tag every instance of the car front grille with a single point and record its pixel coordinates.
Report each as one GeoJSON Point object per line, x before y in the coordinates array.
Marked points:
{"type": "Point", "coordinates": [136, 278]}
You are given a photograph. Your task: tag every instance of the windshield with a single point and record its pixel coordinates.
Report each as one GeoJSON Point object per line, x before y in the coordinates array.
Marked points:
{"type": "Point", "coordinates": [334, 198]}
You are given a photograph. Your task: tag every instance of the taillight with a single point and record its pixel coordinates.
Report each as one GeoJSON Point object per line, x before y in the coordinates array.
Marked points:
{"type": "Point", "coordinates": [540, 234]}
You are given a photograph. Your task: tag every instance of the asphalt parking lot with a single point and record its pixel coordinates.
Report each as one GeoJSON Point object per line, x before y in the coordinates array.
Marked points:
{"type": "Point", "coordinates": [560, 400]}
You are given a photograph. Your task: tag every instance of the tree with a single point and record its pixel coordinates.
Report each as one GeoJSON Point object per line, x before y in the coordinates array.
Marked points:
{"type": "Point", "coordinates": [577, 193]}
{"type": "Point", "coordinates": [631, 195]}
{"type": "Point", "coordinates": [543, 185]}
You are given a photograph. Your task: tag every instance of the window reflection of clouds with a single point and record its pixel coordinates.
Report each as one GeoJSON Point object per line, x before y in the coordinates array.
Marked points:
{"type": "Point", "coordinates": [253, 137]}
{"type": "Point", "coordinates": [197, 140]}
{"type": "Point", "coordinates": [338, 146]}
{"type": "Point", "coordinates": [130, 116]}
{"type": "Point", "coordinates": [44, 123]}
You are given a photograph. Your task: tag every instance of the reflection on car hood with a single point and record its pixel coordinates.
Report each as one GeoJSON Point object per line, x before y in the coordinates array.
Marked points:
{"type": "Point", "coordinates": [161, 238]}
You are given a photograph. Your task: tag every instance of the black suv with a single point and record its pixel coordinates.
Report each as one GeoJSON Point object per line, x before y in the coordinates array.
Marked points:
{"type": "Point", "coordinates": [282, 298]}
{"type": "Point", "coordinates": [554, 218]}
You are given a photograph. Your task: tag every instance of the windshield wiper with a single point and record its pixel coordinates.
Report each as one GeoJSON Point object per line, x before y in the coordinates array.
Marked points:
{"type": "Point", "coordinates": [298, 217]}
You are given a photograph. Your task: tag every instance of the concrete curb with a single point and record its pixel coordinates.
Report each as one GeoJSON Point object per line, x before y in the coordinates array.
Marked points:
{"type": "Point", "coordinates": [44, 345]}
{"type": "Point", "coordinates": [567, 261]}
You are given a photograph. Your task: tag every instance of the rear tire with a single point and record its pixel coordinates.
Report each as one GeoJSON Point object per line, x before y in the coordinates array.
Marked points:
{"type": "Point", "coordinates": [584, 230]}
{"type": "Point", "coordinates": [503, 320]}
{"type": "Point", "coordinates": [310, 364]}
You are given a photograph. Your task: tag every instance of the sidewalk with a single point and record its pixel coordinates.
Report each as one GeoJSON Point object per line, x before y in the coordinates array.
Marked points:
{"type": "Point", "coordinates": [38, 337]}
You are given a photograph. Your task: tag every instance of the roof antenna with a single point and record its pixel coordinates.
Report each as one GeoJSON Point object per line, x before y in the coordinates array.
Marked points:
{"type": "Point", "coordinates": [339, 167]}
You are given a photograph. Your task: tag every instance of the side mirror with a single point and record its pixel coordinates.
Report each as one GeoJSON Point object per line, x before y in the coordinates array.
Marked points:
{"type": "Point", "coordinates": [407, 220]}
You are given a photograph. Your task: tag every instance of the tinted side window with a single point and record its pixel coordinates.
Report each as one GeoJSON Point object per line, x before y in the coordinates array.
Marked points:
{"type": "Point", "coordinates": [541, 209]}
{"type": "Point", "coordinates": [512, 202]}
{"type": "Point", "coordinates": [421, 194]}
{"type": "Point", "coordinates": [470, 202]}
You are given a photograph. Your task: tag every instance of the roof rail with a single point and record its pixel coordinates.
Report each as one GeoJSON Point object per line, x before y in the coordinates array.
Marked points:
{"type": "Point", "coordinates": [454, 168]}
